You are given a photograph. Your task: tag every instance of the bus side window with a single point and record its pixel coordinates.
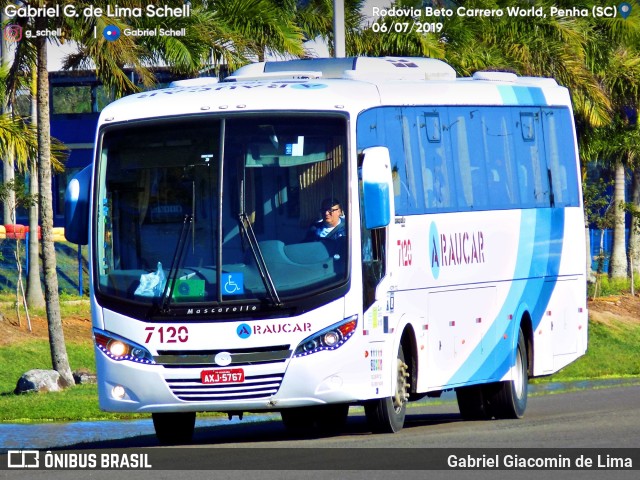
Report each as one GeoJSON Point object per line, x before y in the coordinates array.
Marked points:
{"type": "Point", "coordinates": [498, 141]}
{"type": "Point", "coordinates": [430, 147]}
{"type": "Point", "coordinates": [530, 155]}
{"type": "Point", "coordinates": [468, 158]}
{"type": "Point", "coordinates": [560, 155]}
{"type": "Point", "coordinates": [373, 261]}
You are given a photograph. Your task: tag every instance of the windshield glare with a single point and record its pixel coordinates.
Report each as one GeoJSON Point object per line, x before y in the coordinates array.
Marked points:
{"type": "Point", "coordinates": [218, 210]}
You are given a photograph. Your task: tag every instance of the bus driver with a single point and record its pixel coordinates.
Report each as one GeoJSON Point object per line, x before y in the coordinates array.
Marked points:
{"type": "Point", "coordinates": [333, 224]}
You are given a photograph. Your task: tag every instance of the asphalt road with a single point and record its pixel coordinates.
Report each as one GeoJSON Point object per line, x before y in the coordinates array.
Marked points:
{"type": "Point", "coordinates": [584, 423]}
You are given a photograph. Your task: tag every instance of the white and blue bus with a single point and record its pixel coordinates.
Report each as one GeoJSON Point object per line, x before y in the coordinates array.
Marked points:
{"type": "Point", "coordinates": [459, 263]}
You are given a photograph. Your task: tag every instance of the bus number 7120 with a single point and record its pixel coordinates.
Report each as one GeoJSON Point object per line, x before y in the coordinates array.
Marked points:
{"type": "Point", "coordinates": [168, 334]}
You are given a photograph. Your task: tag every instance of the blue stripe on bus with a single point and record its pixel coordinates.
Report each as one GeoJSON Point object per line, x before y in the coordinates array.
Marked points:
{"type": "Point", "coordinates": [537, 264]}
{"type": "Point", "coordinates": [518, 95]}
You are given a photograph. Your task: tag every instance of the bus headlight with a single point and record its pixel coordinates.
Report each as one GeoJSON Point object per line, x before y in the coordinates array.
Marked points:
{"type": "Point", "coordinates": [328, 339]}
{"type": "Point", "coordinates": [118, 348]}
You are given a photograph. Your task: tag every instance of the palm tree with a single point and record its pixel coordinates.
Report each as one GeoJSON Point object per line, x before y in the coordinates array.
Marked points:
{"type": "Point", "coordinates": [59, 358]}
{"type": "Point", "coordinates": [16, 137]}
{"type": "Point", "coordinates": [8, 165]}
{"type": "Point", "coordinates": [315, 18]}
{"type": "Point", "coordinates": [35, 295]}
{"type": "Point", "coordinates": [265, 26]}
{"type": "Point", "coordinates": [615, 61]}
{"type": "Point", "coordinates": [22, 77]}
{"type": "Point", "coordinates": [383, 37]}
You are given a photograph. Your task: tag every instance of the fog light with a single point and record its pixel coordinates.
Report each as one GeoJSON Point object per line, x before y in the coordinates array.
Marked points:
{"type": "Point", "coordinates": [118, 392]}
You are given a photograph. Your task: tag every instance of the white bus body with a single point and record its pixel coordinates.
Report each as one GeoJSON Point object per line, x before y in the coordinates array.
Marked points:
{"type": "Point", "coordinates": [462, 266]}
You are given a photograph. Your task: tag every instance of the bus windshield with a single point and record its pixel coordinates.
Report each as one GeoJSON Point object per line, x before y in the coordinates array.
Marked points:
{"type": "Point", "coordinates": [218, 210]}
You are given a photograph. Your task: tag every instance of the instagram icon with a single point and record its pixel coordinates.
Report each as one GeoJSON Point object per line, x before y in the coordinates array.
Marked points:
{"type": "Point", "coordinates": [13, 33]}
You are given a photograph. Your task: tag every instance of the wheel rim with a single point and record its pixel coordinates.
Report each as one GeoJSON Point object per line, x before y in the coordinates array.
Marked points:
{"type": "Point", "coordinates": [402, 387]}
{"type": "Point", "coordinates": [518, 380]}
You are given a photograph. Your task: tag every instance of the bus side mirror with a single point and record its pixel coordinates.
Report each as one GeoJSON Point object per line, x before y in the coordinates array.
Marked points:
{"type": "Point", "coordinates": [377, 185]}
{"type": "Point", "coordinates": [76, 208]}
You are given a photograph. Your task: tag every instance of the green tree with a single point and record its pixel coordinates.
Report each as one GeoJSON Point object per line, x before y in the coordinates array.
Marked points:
{"type": "Point", "coordinates": [315, 18]}
{"type": "Point", "coordinates": [22, 77]}
{"type": "Point", "coordinates": [265, 26]}
{"type": "Point", "coordinates": [614, 59]}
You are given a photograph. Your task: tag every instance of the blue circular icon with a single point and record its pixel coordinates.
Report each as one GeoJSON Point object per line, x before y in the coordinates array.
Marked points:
{"type": "Point", "coordinates": [244, 330]}
{"type": "Point", "coordinates": [111, 33]}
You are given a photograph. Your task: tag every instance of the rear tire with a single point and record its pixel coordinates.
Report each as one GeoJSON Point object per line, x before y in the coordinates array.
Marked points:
{"type": "Point", "coordinates": [386, 415]}
{"type": "Point", "coordinates": [499, 400]}
{"type": "Point", "coordinates": [509, 399]}
{"type": "Point", "coordinates": [174, 428]}
{"type": "Point", "coordinates": [472, 403]}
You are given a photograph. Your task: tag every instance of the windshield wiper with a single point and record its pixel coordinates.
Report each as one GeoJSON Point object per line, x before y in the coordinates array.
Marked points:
{"type": "Point", "coordinates": [247, 229]}
{"type": "Point", "coordinates": [176, 261]}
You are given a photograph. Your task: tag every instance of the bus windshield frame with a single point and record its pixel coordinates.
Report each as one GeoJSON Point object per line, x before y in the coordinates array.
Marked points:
{"type": "Point", "coordinates": [203, 212]}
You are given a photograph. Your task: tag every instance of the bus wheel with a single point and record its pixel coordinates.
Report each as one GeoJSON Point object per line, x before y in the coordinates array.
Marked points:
{"type": "Point", "coordinates": [386, 415]}
{"type": "Point", "coordinates": [472, 403]}
{"type": "Point", "coordinates": [174, 428]}
{"type": "Point", "coordinates": [509, 399]}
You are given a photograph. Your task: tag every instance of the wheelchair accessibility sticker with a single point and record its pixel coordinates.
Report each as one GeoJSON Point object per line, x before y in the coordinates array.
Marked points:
{"type": "Point", "coordinates": [232, 283]}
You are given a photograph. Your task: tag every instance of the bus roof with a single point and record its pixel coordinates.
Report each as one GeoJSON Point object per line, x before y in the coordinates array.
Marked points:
{"type": "Point", "coordinates": [338, 85]}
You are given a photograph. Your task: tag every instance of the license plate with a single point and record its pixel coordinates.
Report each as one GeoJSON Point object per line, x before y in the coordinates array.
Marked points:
{"type": "Point", "coordinates": [223, 375]}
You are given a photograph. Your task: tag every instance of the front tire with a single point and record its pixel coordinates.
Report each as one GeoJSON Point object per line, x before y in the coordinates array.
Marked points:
{"type": "Point", "coordinates": [386, 415]}
{"type": "Point", "coordinates": [174, 428]}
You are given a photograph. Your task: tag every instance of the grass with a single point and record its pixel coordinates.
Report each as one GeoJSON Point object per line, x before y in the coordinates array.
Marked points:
{"type": "Point", "coordinates": [612, 353]}
{"type": "Point", "coordinates": [605, 286]}
{"type": "Point", "coordinates": [76, 403]}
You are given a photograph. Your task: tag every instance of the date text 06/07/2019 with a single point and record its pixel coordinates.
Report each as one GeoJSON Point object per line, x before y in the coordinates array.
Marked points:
{"type": "Point", "coordinates": [407, 27]}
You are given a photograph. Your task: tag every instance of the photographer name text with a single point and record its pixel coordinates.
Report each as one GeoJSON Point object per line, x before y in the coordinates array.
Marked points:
{"type": "Point", "coordinates": [113, 11]}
